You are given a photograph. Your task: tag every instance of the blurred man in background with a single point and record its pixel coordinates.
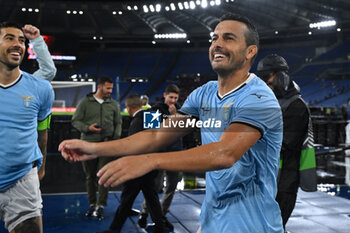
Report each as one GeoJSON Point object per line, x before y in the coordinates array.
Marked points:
{"type": "Point", "coordinates": [273, 69]}
{"type": "Point", "coordinates": [144, 101]}
{"type": "Point", "coordinates": [167, 108]}
{"type": "Point", "coordinates": [98, 119]}
{"type": "Point", "coordinates": [145, 183]}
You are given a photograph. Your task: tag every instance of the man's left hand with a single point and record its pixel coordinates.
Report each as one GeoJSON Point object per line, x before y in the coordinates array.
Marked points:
{"type": "Point", "coordinates": [41, 173]}
{"type": "Point", "coordinates": [31, 32]}
{"type": "Point", "coordinates": [124, 169]}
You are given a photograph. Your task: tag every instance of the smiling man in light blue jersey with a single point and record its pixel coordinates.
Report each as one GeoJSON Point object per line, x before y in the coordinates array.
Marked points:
{"type": "Point", "coordinates": [240, 195]}
{"type": "Point", "coordinates": [240, 150]}
{"type": "Point", "coordinates": [25, 109]}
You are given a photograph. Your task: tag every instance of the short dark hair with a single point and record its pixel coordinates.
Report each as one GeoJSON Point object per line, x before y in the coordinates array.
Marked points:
{"type": "Point", "coordinates": [102, 80]}
{"type": "Point", "coordinates": [251, 35]}
{"type": "Point", "coordinates": [133, 101]}
{"type": "Point", "coordinates": [172, 88]}
{"type": "Point", "coordinates": [7, 24]}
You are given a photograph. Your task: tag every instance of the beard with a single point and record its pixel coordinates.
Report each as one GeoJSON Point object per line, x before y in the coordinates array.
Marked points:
{"type": "Point", "coordinates": [10, 65]}
{"type": "Point", "coordinates": [106, 95]}
{"type": "Point", "coordinates": [225, 71]}
{"type": "Point", "coordinates": [235, 63]}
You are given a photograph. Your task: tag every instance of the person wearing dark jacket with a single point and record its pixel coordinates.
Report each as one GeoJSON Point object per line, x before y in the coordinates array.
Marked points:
{"type": "Point", "coordinates": [145, 183]}
{"type": "Point", "coordinates": [98, 119]}
{"type": "Point", "coordinates": [273, 69]}
{"type": "Point", "coordinates": [167, 108]}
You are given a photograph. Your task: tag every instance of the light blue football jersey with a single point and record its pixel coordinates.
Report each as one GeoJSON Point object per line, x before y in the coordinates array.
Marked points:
{"type": "Point", "coordinates": [241, 199]}
{"type": "Point", "coordinates": [22, 105]}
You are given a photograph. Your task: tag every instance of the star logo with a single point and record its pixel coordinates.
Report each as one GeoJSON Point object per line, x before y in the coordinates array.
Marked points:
{"type": "Point", "coordinates": [151, 120]}
{"type": "Point", "coordinates": [155, 115]}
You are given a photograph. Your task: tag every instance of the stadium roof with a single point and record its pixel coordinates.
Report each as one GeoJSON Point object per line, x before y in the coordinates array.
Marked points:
{"type": "Point", "coordinates": [134, 21]}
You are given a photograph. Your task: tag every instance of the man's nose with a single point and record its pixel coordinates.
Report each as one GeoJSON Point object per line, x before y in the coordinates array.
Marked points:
{"type": "Point", "coordinates": [16, 45]}
{"type": "Point", "coordinates": [218, 46]}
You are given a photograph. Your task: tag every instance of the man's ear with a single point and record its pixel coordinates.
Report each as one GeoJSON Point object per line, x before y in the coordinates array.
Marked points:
{"type": "Point", "coordinates": [251, 51]}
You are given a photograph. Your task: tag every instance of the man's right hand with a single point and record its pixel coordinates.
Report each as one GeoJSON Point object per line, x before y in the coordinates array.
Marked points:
{"type": "Point", "coordinates": [76, 150]}
{"type": "Point", "coordinates": [95, 128]}
{"type": "Point", "coordinates": [172, 109]}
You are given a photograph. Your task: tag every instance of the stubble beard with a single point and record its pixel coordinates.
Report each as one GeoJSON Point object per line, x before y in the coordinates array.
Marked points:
{"type": "Point", "coordinates": [224, 72]}
{"type": "Point", "coordinates": [10, 65]}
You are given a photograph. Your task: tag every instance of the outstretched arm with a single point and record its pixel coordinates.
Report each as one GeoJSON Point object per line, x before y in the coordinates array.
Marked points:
{"type": "Point", "coordinates": [146, 141]}
{"type": "Point", "coordinates": [47, 69]}
{"type": "Point", "coordinates": [233, 144]}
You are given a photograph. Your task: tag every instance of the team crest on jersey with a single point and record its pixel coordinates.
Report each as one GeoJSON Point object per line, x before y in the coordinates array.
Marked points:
{"type": "Point", "coordinates": [227, 110]}
{"type": "Point", "coordinates": [27, 100]}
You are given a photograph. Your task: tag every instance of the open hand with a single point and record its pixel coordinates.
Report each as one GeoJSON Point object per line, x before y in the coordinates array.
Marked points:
{"type": "Point", "coordinates": [76, 150]}
{"type": "Point", "coordinates": [130, 167]}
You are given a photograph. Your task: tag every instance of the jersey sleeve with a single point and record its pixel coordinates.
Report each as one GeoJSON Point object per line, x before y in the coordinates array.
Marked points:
{"type": "Point", "coordinates": [47, 97]}
{"type": "Point", "coordinates": [192, 103]}
{"type": "Point", "coordinates": [47, 69]}
{"type": "Point", "coordinates": [259, 111]}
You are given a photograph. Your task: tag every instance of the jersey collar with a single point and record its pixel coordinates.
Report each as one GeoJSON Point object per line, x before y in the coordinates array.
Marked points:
{"type": "Point", "coordinates": [12, 83]}
{"type": "Point", "coordinates": [250, 78]}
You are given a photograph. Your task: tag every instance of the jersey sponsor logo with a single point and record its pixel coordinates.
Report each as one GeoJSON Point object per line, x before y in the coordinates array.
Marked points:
{"type": "Point", "coordinates": [27, 99]}
{"type": "Point", "coordinates": [151, 120]}
{"type": "Point", "coordinates": [259, 96]}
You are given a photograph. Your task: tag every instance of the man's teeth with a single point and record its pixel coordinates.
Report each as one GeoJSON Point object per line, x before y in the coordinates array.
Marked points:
{"type": "Point", "coordinates": [15, 53]}
{"type": "Point", "coordinates": [219, 56]}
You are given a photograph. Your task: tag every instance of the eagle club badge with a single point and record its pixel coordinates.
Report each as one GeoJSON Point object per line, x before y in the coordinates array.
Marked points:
{"type": "Point", "coordinates": [227, 110]}
{"type": "Point", "coordinates": [27, 100]}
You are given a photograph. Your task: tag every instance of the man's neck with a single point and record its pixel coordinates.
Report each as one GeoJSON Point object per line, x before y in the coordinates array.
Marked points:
{"type": "Point", "coordinates": [231, 81]}
{"type": "Point", "coordinates": [98, 95]}
{"type": "Point", "coordinates": [134, 111]}
{"type": "Point", "coordinates": [7, 75]}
